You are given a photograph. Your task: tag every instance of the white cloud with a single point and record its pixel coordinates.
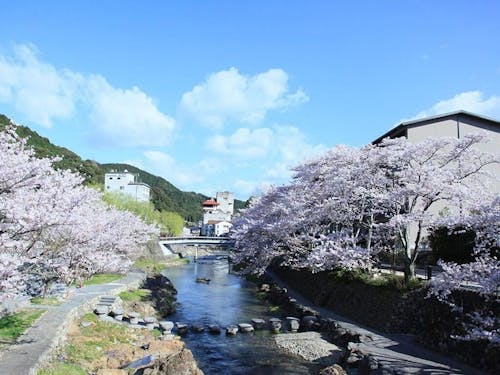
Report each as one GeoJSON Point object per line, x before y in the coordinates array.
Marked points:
{"type": "Point", "coordinates": [230, 96]}
{"type": "Point", "coordinates": [44, 94]}
{"type": "Point", "coordinates": [472, 101]}
{"type": "Point", "coordinates": [127, 117]}
{"type": "Point", "coordinates": [246, 188]}
{"type": "Point", "coordinates": [283, 147]}
{"type": "Point", "coordinates": [244, 143]}
{"type": "Point", "coordinates": [166, 166]}
{"type": "Point", "coordinates": [36, 89]}
{"type": "Point", "coordinates": [293, 149]}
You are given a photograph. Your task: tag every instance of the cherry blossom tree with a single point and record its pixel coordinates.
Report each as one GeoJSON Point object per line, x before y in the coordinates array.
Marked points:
{"type": "Point", "coordinates": [54, 228]}
{"type": "Point", "coordinates": [268, 229]}
{"type": "Point", "coordinates": [353, 202]}
{"type": "Point", "coordinates": [428, 180]}
{"type": "Point", "coordinates": [347, 205]}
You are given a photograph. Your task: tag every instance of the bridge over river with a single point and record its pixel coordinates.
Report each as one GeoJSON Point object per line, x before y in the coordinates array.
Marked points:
{"type": "Point", "coordinates": [195, 246]}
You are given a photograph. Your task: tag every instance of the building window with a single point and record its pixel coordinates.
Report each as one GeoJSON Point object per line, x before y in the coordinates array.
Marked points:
{"type": "Point", "coordinates": [122, 187]}
{"type": "Point", "coordinates": [107, 187]}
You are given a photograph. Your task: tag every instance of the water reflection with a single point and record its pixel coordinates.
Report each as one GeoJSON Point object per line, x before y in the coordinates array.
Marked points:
{"type": "Point", "coordinates": [227, 299]}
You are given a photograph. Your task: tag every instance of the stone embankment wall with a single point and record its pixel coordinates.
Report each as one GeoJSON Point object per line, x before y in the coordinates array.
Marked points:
{"type": "Point", "coordinates": [60, 335]}
{"type": "Point", "coordinates": [393, 311]}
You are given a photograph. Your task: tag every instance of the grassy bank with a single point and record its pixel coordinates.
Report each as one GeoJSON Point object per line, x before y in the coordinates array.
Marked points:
{"type": "Point", "coordinates": [93, 344]}
{"type": "Point", "coordinates": [152, 265]}
{"type": "Point", "coordinates": [14, 325]}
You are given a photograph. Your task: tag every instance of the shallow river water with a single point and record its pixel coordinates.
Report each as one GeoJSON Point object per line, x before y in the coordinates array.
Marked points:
{"type": "Point", "coordinates": [228, 299]}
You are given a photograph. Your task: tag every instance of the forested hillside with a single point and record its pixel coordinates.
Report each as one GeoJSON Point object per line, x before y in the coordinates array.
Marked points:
{"type": "Point", "coordinates": [165, 196]}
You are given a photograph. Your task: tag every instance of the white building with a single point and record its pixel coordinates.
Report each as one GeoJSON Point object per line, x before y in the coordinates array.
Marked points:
{"type": "Point", "coordinates": [454, 124]}
{"type": "Point", "coordinates": [127, 183]}
{"type": "Point", "coordinates": [217, 214]}
{"type": "Point", "coordinates": [222, 227]}
{"type": "Point", "coordinates": [219, 209]}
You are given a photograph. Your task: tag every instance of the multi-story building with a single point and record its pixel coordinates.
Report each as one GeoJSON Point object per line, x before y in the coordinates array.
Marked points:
{"type": "Point", "coordinates": [127, 183]}
{"type": "Point", "coordinates": [217, 214]}
{"type": "Point", "coordinates": [454, 124]}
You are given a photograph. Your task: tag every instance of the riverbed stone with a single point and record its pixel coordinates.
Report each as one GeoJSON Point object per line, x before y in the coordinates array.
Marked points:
{"type": "Point", "coordinates": [86, 324]}
{"type": "Point", "coordinates": [107, 318]}
{"type": "Point", "coordinates": [293, 324]}
{"type": "Point", "coordinates": [231, 330]}
{"type": "Point", "coordinates": [333, 370]}
{"type": "Point", "coordinates": [101, 310]}
{"type": "Point", "coordinates": [245, 327]}
{"type": "Point", "coordinates": [117, 313]}
{"type": "Point", "coordinates": [167, 337]}
{"type": "Point", "coordinates": [150, 322]}
{"type": "Point", "coordinates": [134, 317]}
{"type": "Point", "coordinates": [309, 323]}
{"type": "Point", "coordinates": [258, 323]}
{"type": "Point", "coordinates": [265, 288]}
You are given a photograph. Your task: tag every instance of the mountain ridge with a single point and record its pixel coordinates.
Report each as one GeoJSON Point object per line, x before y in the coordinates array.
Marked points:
{"type": "Point", "coordinates": [165, 195]}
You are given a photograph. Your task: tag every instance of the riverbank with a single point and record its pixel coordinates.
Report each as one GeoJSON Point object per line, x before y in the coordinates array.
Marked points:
{"type": "Point", "coordinates": [104, 346]}
{"type": "Point", "coordinates": [364, 349]}
{"type": "Point", "coordinates": [38, 343]}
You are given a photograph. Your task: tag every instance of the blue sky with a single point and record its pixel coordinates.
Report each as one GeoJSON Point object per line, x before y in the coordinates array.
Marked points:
{"type": "Point", "coordinates": [228, 95]}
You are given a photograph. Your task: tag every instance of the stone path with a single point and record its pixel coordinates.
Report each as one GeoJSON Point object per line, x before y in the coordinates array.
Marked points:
{"type": "Point", "coordinates": [396, 352]}
{"type": "Point", "coordinates": [50, 330]}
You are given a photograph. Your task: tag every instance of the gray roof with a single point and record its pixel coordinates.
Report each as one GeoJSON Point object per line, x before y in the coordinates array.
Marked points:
{"type": "Point", "coordinates": [425, 120]}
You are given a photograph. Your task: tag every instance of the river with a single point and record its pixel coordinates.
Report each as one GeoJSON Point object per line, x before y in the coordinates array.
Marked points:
{"type": "Point", "coordinates": [228, 299]}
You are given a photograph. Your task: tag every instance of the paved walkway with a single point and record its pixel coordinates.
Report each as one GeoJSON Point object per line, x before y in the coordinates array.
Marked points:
{"type": "Point", "coordinates": [50, 330]}
{"type": "Point", "coordinates": [397, 352]}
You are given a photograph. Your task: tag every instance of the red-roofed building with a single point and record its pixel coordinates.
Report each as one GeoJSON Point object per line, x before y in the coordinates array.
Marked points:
{"type": "Point", "coordinates": [215, 211]}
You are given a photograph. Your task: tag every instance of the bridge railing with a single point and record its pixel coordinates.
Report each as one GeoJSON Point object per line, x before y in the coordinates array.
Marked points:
{"type": "Point", "coordinates": [194, 238]}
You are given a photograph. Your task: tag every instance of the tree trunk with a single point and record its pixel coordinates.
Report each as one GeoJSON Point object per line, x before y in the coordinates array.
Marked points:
{"type": "Point", "coordinates": [409, 271]}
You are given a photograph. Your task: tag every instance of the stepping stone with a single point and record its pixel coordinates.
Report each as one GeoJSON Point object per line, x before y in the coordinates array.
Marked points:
{"type": "Point", "coordinates": [245, 327]}
{"type": "Point", "coordinates": [166, 326]}
{"type": "Point", "coordinates": [117, 314]}
{"type": "Point", "coordinates": [258, 323]}
{"type": "Point", "coordinates": [231, 330]}
{"type": "Point", "coordinates": [197, 328]}
{"type": "Point", "coordinates": [181, 328]}
{"type": "Point", "coordinates": [214, 328]}
{"type": "Point", "coordinates": [293, 324]}
{"type": "Point", "coordinates": [275, 325]}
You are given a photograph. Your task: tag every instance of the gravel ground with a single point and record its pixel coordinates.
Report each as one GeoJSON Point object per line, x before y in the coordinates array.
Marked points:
{"type": "Point", "coordinates": [310, 346]}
